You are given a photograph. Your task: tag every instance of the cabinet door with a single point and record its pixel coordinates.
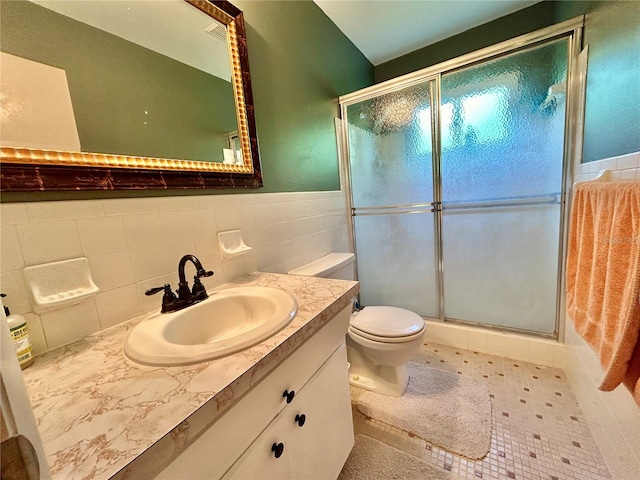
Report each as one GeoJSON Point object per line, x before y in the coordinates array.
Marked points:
{"type": "Point", "coordinates": [319, 448]}
{"type": "Point", "coordinates": [259, 462]}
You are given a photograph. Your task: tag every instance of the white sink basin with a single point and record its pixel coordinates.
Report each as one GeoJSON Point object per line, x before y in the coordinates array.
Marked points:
{"type": "Point", "coordinates": [227, 322]}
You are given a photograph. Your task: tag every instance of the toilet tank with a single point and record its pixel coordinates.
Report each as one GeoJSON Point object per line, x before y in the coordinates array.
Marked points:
{"type": "Point", "coordinates": [335, 265]}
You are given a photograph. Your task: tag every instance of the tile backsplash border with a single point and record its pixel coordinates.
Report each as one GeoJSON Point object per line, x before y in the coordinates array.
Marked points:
{"type": "Point", "coordinates": [135, 244]}
{"type": "Point", "coordinates": [623, 168]}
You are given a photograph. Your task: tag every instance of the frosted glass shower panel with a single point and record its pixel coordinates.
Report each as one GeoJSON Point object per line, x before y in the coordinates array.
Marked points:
{"type": "Point", "coordinates": [501, 266]}
{"type": "Point", "coordinates": [396, 263]}
{"type": "Point", "coordinates": [391, 167]}
{"type": "Point", "coordinates": [502, 162]}
{"type": "Point", "coordinates": [390, 148]}
{"type": "Point", "coordinates": [502, 126]}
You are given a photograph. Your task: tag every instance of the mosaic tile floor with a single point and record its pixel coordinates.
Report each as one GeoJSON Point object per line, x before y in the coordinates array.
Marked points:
{"type": "Point", "coordinates": [538, 429]}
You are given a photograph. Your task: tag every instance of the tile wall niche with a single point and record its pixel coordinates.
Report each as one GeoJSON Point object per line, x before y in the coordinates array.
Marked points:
{"type": "Point", "coordinates": [135, 244]}
{"type": "Point", "coordinates": [613, 417]}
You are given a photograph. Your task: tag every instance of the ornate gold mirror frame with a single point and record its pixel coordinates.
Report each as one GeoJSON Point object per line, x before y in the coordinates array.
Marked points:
{"type": "Point", "coordinates": [29, 170]}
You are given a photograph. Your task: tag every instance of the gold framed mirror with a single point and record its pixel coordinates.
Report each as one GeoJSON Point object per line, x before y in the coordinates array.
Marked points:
{"type": "Point", "coordinates": [174, 132]}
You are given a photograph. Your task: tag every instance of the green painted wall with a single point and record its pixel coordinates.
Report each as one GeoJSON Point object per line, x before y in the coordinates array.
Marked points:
{"type": "Point", "coordinates": [504, 28]}
{"type": "Point", "coordinates": [612, 31]}
{"type": "Point", "coordinates": [126, 99]}
{"type": "Point", "coordinates": [612, 116]}
{"type": "Point", "coordinates": [300, 63]}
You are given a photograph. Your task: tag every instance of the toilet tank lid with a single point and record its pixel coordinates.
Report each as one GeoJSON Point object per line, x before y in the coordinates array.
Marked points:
{"type": "Point", "coordinates": [325, 265]}
{"type": "Point", "coordinates": [387, 321]}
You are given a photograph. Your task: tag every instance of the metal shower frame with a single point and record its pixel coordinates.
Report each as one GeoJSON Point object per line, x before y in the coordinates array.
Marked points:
{"type": "Point", "coordinates": [571, 29]}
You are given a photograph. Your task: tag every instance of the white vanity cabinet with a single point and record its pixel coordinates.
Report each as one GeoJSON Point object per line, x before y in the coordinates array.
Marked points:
{"type": "Point", "coordinates": [311, 437]}
{"type": "Point", "coordinates": [321, 446]}
{"type": "Point", "coordinates": [238, 444]}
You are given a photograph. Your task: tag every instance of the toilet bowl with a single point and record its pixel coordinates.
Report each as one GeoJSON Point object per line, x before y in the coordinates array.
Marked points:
{"type": "Point", "coordinates": [380, 339]}
{"type": "Point", "coordinates": [380, 342]}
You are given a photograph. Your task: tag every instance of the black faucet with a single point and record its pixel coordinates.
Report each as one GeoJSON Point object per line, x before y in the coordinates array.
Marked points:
{"type": "Point", "coordinates": [185, 297]}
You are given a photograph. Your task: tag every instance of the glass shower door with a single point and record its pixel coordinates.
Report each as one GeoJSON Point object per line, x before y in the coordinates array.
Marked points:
{"type": "Point", "coordinates": [390, 160]}
{"type": "Point", "coordinates": [502, 136]}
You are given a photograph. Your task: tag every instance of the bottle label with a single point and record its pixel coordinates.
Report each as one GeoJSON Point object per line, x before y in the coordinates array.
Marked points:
{"type": "Point", "coordinates": [22, 342]}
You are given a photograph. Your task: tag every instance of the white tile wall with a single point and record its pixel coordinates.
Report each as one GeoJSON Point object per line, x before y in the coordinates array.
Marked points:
{"type": "Point", "coordinates": [49, 241]}
{"type": "Point", "coordinates": [135, 244]}
{"type": "Point", "coordinates": [69, 324]}
{"type": "Point", "coordinates": [623, 168]}
{"type": "Point", "coordinates": [613, 417]}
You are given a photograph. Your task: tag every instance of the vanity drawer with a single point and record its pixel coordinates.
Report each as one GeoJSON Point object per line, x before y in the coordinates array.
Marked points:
{"type": "Point", "coordinates": [218, 447]}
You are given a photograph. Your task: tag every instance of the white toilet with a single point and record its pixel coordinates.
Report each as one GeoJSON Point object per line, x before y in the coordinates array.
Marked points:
{"type": "Point", "coordinates": [380, 340]}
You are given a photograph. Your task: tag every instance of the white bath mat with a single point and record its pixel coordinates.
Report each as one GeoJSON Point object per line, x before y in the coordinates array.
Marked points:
{"type": "Point", "coordinates": [443, 408]}
{"type": "Point", "coordinates": [371, 459]}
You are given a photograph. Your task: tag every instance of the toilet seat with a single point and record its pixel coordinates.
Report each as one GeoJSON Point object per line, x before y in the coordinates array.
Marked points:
{"type": "Point", "coordinates": [387, 324]}
{"type": "Point", "coordinates": [375, 338]}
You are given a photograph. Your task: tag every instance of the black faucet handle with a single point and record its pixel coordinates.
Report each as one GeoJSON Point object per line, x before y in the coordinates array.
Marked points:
{"type": "Point", "coordinates": [169, 298]}
{"type": "Point", "coordinates": [203, 273]}
{"type": "Point", "coordinates": [152, 291]}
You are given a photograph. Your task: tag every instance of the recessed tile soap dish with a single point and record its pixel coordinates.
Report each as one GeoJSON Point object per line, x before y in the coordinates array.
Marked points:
{"type": "Point", "coordinates": [60, 284]}
{"type": "Point", "coordinates": [232, 244]}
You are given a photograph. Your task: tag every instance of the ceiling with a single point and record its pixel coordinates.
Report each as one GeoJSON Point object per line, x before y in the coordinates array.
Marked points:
{"type": "Point", "coordinates": [386, 29]}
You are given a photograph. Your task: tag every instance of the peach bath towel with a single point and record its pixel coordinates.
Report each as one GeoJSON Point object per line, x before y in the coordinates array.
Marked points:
{"type": "Point", "coordinates": [603, 277]}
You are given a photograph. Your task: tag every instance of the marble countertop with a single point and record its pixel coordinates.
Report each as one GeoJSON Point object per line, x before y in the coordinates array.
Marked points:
{"type": "Point", "coordinates": [98, 412]}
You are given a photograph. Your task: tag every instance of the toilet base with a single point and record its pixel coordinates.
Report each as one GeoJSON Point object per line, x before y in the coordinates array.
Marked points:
{"type": "Point", "coordinates": [391, 381]}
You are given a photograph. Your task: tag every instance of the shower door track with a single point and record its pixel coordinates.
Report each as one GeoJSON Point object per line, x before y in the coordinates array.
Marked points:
{"type": "Point", "coordinates": [500, 328]}
{"type": "Point", "coordinates": [572, 29]}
